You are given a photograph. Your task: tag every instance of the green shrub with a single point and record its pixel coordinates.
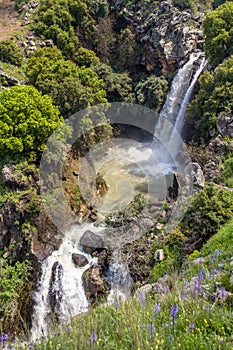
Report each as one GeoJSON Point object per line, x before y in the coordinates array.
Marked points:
{"type": "Point", "coordinates": [151, 92]}
{"type": "Point", "coordinates": [10, 53]}
{"type": "Point", "coordinates": [27, 119]}
{"type": "Point", "coordinates": [219, 34]}
{"type": "Point", "coordinates": [85, 57]}
{"type": "Point", "coordinates": [215, 96]}
{"type": "Point", "coordinates": [12, 283]}
{"type": "Point", "coordinates": [210, 208]}
{"type": "Point", "coordinates": [227, 172]}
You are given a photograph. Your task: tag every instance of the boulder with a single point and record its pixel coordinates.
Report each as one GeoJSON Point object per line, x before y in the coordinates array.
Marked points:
{"type": "Point", "coordinates": [198, 176]}
{"type": "Point", "coordinates": [79, 260]}
{"type": "Point", "coordinates": [225, 125]}
{"type": "Point", "coordinates": [13, 178]}
{"type": "Point", "coordinates": [94, 284]}
{"type": "Point", "coordinates": [91, 241]}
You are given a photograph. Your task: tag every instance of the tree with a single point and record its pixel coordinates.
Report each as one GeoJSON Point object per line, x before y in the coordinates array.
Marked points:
{"type": "Point", "coordinates": [215, 96]}
{"type": "Point", "coordinates": [218, 32]}
{"type": "Point", "coordinates": [126, 49]}
{"type": "Point", "coordinates": [117, 85]}
{"type": "Point", "coordinates": [57, 20]}
{"type": "Point", "coordinates": [104, 39]}
{"type": "Point", "coordinates": [10, 53]}
{"type": "Point", "coordinates": [27, 119]}
{"type": "Point", "coordinates": [85, 57]}
{"type": "Point", "coordinates": [71, 87]}
{"type": "Point", "coordinates": [151, 92]}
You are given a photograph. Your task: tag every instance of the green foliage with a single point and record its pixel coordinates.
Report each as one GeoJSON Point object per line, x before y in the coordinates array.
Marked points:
{"type": "Point", "coordinates": [18, 4]}
{"type": "Point", "coordinates": [227, 172]}
{"type": "Point", "coordinates": [72, 88]}
{"type": "Point", "coordinates": [218, 30]}
{"type": "Point", "coordinates": [185, 4]}
{"type": "Point", "coordinates": [151, 93]}
{"type": "Point", "coordinates": [58, 19]}
{"type": "Point", "coordinates": [126, 44]}
{"type": "Point", "coordinates": [10, 53]}
{"type": "Point", "coordinates": [97, 8]}
{"type": "Point", "coordinates": [171, 245]}
{"type": "Point", "coordinates": [210, 208]}
{"type": "Point", "coordinates": [117, 85]}
{"type": "Point", "coordinates": [215, 96]}
{"type": "Point", "coordinates": [27, 119]}
{"type": "Point", "coordinates": [12, 281]}
{"type": "Point", "coordinates": [218, 3]}
{"type": "Point", "coordinates": [133, 209]}
{"type": "Point", "coordinates": [85, 57]}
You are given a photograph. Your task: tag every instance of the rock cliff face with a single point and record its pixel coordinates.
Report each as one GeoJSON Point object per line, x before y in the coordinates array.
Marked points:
{"type": "Point", "coordinates": [166, 35]}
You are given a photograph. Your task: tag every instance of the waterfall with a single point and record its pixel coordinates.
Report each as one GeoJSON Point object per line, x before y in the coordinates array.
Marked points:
{"type": "Point", "coordinates": [60, 294]}
{"type": "Point", "coordinates": [120, 280]}
{"type": "Point", "coordinates": [171, 117]}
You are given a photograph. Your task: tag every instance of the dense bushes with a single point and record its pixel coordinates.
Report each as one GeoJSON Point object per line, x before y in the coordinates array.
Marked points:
{"type": "Point", "coordinates": [152, 92]}
{"type": "Point", "coordinates": [26, 120]}
{"type": "Point", "coordinates": [13, 281]}
{"type": "Point", "coordinates": [209, 209]}
{"type": "Point", "coordinates": [218, 30]}
{"type": "Point", "coordinates": [71, 87]}
{"type": "Point", "coordinates": [57, 20]}
{"type": "Point", "coordinates": [10, 53]}
{"type": "Point", "coordinates": [215, 96]}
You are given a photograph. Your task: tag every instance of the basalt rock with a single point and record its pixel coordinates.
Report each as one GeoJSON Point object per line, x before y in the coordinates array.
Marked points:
{"type": "Point", "coordinates": [91, 241]}
{"type": "Point", "coordinates": [166, 35]}
{"type": "Point", "coordinates": [79, 260]}
{"type": "Point", "coordinates": [95, 285]}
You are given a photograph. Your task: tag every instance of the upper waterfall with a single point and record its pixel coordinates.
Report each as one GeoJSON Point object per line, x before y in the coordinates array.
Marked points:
{"type": "Point", "coordinates": [171, 117]}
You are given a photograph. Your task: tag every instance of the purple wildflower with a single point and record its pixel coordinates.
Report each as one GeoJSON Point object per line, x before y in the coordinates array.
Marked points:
{"type": "Point", "coordinates": [94, 336]}
{"type": "Point", "coordinates": [152, 330]}
{"type": "Point", "coordinates": [174, 311]}
{"type": "Point", "coordinates": [200, 275]}
{"type": "Point", "coordinates": [207, 307]}
{"type": "Point", "coordinates": [211, 259]}
{"type": "Point", "coordinates": [141, 296]}
{"type": "Point", "coordinates": [116, 304]}
{"type": "Point", "coordinates": [216, 253]}
{"type": "Point", "coordinates": [143, 326]}
{"type": "Point", "coordinates": [4, 337]}
{"type": "Point", "coordinates": [167, 325]}
{"type": "Point", "coordinates": [222, 293]}
{"type": "Point", "coordinates": [156, 308]}
{"type": "Point", "coordinates": [191, 326]}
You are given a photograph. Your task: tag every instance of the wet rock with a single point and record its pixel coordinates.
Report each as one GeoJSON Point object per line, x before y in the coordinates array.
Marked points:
{"type": "Point", "coordinates": [95, 285]}
{"type": "Point", "coordinates": [104, 257]}
{"type": "Point", "coordinates": [79, 260]}
{"type": "Point", "coordinates": [91, 241]}
{"type": "Point", "coordinates": [55, 289]}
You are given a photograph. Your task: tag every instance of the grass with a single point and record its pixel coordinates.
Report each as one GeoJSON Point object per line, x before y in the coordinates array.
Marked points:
{"type": "Point", "coordinates": [148, 322]}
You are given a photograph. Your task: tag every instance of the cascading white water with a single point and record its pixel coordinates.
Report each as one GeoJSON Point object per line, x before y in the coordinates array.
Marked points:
{"type": "Point", "coordinates": [61, 283]}
{"type": "Point", "coordinates": [171, 117]}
